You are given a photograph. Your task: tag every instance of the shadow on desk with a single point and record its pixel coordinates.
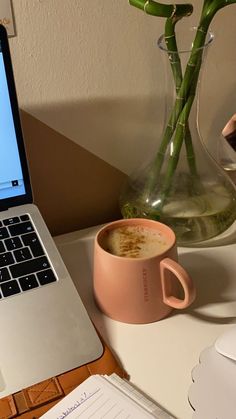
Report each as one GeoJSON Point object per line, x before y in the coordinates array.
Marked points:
{"type": "Point", "coordinates": [214, 284]}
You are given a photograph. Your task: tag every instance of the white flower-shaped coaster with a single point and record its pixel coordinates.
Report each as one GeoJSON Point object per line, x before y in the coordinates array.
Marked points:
{"type": "Point", "coordinates": [212, 394]}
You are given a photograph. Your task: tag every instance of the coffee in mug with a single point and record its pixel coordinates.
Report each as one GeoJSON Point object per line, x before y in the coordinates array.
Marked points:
{"type": "Point", "coordinates": [135, 241]}
{"type": "Point", "coordinates": [136, 270]}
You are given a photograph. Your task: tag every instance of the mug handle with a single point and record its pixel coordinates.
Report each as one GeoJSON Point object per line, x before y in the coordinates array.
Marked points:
{"type": "Point", "coordinates": [185, 281]}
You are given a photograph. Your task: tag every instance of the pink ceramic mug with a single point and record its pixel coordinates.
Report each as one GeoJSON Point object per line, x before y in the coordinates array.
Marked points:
{"type": "Point", "coordinates": [139, 289]}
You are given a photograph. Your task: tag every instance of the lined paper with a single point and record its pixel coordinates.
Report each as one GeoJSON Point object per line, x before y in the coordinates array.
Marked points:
{"type": "Point", "coordinates": [102, 397]}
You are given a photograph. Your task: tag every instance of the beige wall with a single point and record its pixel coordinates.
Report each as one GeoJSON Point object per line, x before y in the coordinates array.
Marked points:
{"type": "Point", "coordinates": [91, 71]}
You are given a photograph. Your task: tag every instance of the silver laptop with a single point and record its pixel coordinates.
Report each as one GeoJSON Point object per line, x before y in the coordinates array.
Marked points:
{"type": "Point", "coordinates": [45, 329]}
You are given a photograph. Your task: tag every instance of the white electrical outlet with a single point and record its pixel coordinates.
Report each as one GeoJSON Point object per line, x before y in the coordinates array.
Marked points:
{"type": "Point", "coordinates": [6, 16]}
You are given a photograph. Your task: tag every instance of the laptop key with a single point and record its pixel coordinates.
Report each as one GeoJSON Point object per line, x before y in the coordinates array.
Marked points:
{"type": "Point", "coordinates": [6, 259]}
{"type": "Point", "coordinates": [3, 233]}
{"type": "Point", "coordinates": [29, 267]}
{"type": "Point", "coordinates": [33, 242]}
{"type": "Point", "coordinates": [22, 254]}
{"type": "Point", "coordinates": [4, 275]}
{"type": "Point", "coordinates": [45, 277]}
{"type": "Point", "coordinates": [21, 228]}
{"type": "Point", "coordinates": [28, 282]}
{"type": "Point", "coordinates": [24, 217]}
{"type": "Point", "coordinates": [10, 288]}
{"type": "Point", "coordinates": [13, 243]}
{"type": "Point", "coordinates": [12, 220]}
{"type": "Point", "coordinates": [2, 247]}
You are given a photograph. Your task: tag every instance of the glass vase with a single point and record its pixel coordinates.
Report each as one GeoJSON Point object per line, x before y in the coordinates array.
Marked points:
{"type": "Point", "coordinates": [182, 186]}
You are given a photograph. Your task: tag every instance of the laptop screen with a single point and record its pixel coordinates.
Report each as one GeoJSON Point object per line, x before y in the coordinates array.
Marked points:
{"type": "Point", "coordinates": [11, 177]}
{"type": "Point", "coordinates": [14, 179]}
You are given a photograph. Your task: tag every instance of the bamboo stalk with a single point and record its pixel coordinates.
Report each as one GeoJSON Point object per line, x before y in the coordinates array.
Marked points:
{"type": "Point", "coordinates": [179, 137]}
{"type": "Point", "coordinates": [191, 72]}
{"type": "Point", "coordinates": [159, 9]}
{"type": "Point", "coordinates": [175, 62]}
{"type": "Point", "coordinates": [170, 40]}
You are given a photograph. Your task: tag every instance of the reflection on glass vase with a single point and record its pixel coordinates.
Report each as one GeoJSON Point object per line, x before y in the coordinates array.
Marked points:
{"type": "Point", "coordinates": [226, 152]}
{"type": "Point", "coordinates": [182, 186]}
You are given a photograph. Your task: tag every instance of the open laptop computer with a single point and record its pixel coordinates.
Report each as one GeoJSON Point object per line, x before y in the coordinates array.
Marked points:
{"type": "Point", "coordinates": [45, 329]}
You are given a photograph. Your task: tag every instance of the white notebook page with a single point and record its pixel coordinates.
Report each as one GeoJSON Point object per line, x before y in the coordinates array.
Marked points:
{"type": "Point", "coordinates": [96, 398]}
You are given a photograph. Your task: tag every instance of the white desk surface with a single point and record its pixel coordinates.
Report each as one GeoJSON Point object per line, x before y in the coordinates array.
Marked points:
{"type": "Point", "coordinates": [160, 356]}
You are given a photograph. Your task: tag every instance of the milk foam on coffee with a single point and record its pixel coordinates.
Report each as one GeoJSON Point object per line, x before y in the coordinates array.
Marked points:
{"type": "Point", "coordinates": [135, 241]}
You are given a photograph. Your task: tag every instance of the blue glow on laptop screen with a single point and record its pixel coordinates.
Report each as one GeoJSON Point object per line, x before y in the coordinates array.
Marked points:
{"type": "Point", "coordinates": [11, 177]}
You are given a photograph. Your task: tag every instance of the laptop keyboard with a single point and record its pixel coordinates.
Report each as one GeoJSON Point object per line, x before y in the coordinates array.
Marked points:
{"type": "Point", "coordinates": [23, 263]}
